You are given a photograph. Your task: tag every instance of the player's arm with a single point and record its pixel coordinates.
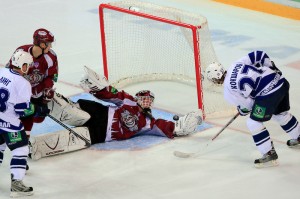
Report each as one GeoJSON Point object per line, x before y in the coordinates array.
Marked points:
{"type": "Point", "coordinates": [99, 86]}
{"type": "Point", "coordinates": [48, 82]}
{"type": "Point", "coordinates": [185, 125]}
{"type": "Point", "coordinates": [23, 107]}
{"type": "Point", "coordinates": [31, 109]}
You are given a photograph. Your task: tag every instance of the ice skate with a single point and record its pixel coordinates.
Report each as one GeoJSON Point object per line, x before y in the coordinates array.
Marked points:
{"type": "Point", "coordinates": [18, 189]}
{"type": "Point", "coordinates": [268, 160]}
{"type": "Point", "coordinates": [294, 143]}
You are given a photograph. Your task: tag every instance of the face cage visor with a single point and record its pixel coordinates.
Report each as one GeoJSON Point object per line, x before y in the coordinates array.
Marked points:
{"type": "Point", "coordinates": [145, 101]}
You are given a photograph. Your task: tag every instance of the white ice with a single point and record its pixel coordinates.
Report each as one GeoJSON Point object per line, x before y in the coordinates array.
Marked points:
{"type": "Point", "coordinates": [224, 170]}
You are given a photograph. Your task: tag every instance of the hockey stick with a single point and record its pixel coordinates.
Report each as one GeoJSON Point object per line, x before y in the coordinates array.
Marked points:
{"type": "Point", "coordinates": [188, 155]}
{"type": "Point", "coordinates": [149, 114]}
{"type": "Point", "coordinates": [87, 142]}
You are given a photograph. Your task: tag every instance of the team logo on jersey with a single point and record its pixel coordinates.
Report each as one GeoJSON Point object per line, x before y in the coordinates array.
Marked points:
{"type": "Point", "coordinates": [15, 137]}
{"type": "Point", "coordinates": [259, 111]}
{"type": "Point", "coordinates": [129, 120]}
{"type": "Point", "coordinates": [35, 77]}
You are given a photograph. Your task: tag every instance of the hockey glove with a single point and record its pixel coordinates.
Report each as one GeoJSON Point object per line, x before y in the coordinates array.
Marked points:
{"type": "Point", "coordinates": [41, 110]}
{"type": "Point", "coordinates": [48, 95]}
{"type": "Point", "coordinates": [243, 111]}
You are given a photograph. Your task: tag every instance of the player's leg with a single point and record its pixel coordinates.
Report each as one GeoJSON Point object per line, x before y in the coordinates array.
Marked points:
{"type": "Point", "coordinates": [2, 148]}
{"type": "Point", "coordinates": [291, 126]}
{"type": "Point", "coordinates": [17, 142]}
{"type": "Point", "coordinates": [286, 120]}
{"type": "Point", "coordinates": [97, 124]}
{"type": "Point", "coordinates": [59, 142]}
{"type": "Point", "coordinates": [261, 138]}
{"type": "Point", "coordinates": [67, 111]}
{"type": "Point", "coordinates": [262, 111]}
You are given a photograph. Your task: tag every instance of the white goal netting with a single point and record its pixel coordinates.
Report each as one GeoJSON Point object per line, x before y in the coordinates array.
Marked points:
{"type": "Point", "coordinates": [146, 42]}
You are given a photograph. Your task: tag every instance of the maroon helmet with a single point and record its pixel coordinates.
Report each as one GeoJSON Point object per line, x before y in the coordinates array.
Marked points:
{"type": "Point", "coordinates": [42, 36]}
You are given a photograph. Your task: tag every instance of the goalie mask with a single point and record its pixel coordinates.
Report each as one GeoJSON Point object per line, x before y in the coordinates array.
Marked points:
{"type": "Point", "coordinates": [145, 99]}
{"type": "Point", "coordinates": [215, 73]}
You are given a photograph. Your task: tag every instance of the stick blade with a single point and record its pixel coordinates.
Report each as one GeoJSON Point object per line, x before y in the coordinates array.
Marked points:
{"type": "Point", "coordinates": [182, 154]}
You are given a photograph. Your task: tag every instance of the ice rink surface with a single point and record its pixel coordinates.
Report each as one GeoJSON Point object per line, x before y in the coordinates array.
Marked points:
{"type": "Point", "coordinates": [223, 170]}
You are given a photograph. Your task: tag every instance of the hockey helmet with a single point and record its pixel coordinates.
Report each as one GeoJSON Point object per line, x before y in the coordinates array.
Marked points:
{"type": "Point", "coordinates": [20, 58]}
{"type": "Point", "coordinates": [42, 36]}
{"type": "Point", "coordinates": [145, 98]}
{"type": "Point", "coordinates": [215, 72]}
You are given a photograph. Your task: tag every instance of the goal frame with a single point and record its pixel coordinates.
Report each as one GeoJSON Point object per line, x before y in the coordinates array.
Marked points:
{"type": "Point", "coordinates": [196, 40]}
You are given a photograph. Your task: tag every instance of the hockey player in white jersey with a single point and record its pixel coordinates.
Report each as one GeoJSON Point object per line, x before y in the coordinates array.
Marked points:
{"type": "Point", "coordinates": [15, 93]}
{"type": "Point", "coordinates": [256, 86]}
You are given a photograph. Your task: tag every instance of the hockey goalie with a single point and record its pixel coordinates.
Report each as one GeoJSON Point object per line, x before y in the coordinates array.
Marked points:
{"type": "Point", "coordinates": [97, 123]}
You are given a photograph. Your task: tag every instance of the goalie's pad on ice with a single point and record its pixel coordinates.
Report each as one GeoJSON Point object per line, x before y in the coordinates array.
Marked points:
{"type": "Point", "coordinates": [188, 124]}
{"type": "Point", "coordinates": [59, 142]}
{"type": "Point", "coordinates": [92, 81]}
{"type": "Point", "coordinates": [66, 111]}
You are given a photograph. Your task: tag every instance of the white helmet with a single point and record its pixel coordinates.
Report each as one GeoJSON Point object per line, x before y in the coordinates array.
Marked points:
{"type": "Point", "coordinates": [215, 73]}
{"type": "Point", "coordinates": [20, 58]}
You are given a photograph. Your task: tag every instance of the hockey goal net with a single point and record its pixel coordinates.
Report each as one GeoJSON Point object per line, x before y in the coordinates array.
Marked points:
{"type": "Point", "coordinates": [145, 42]}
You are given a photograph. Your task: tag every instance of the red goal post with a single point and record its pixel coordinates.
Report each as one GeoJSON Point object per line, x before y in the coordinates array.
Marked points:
{"type": "Point", "coordinates": [146, 42]}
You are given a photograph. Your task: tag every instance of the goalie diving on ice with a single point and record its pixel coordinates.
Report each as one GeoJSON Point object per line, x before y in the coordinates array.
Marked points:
{"type": "Point", "coordinates": [98, 123]}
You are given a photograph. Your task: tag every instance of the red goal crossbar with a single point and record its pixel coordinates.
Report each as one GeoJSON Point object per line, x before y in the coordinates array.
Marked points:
{"type": "Point", "coordinates": [156, 18]}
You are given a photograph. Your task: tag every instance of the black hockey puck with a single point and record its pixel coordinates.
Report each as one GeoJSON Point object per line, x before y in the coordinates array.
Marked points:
{"type": "Point", "coordinates": [175, 117]}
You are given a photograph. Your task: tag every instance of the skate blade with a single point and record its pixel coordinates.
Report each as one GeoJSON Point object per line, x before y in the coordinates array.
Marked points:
{"type": "Point", "coordinates": [272, 163]}
{"type": "Point", "coordinates": [182, 154]}
{"type": "Point", "coordinates": [297, 146]}
{"type": "Point", "coordinates": [20, 194]}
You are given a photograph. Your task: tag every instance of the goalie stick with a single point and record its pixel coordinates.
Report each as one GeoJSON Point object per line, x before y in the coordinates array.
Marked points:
{"type": "Point", "coordinates": [149, 114]}
{"type": "Point", "coordinates": [87, 142]}
{"type": "Point", "coordinates": [188, 155]}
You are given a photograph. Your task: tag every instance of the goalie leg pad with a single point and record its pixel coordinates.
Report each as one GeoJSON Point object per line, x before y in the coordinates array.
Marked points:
{"type": "Point", "coordinates": [66, 111]}
{"type": "Point", "coordinates": [188, 124]}
{"type": "Point", "coordinates": [59, 142]}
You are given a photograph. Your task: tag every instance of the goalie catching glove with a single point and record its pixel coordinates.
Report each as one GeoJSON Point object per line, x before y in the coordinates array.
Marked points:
{"type": "Point", "coordinates": [188, 124]}
{"type": "Point", "coordinates": [92, 81]}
